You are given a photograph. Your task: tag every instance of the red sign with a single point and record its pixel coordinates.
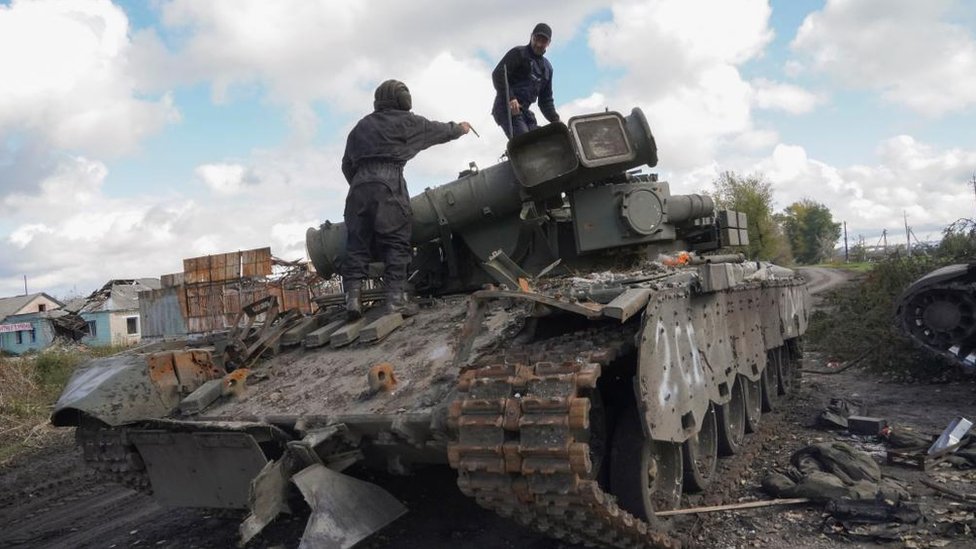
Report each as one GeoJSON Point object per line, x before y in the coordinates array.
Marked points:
{"type": "Point", "coordinates": [19, 327]}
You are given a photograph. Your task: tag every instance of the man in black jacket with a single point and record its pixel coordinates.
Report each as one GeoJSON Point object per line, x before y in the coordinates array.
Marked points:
{"type": "Point", "coordinates": [378, 215]}
{"type": "Point", "coordinates": [529, 78]}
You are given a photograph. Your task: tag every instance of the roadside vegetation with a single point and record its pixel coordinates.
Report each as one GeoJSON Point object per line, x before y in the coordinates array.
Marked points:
{"type": "Point", "coordinates": [858, 319]}
{"type": "Point", "coordinates": [29, 387]}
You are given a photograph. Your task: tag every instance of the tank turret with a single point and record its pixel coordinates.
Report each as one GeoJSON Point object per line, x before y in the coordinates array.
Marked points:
{"type": "Point", "coordinates": [567, 192]}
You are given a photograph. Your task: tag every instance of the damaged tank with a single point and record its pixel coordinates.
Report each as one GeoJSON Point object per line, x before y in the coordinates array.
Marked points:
{"type": "Point", "coordinates": [588, 346]}
{"type": "Point", "coordinates": [938, 311]}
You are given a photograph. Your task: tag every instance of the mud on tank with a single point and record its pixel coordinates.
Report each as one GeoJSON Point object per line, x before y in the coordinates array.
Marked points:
{"type": "Point", "coordinates": [588, 349]}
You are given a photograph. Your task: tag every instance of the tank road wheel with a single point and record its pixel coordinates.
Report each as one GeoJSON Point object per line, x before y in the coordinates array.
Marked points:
{"type": "Point", "coordinates": [731, 421]}
{"type": "Point", "coordinates": [753, 399]}
{"type": "Point", "coordinates": [770, 382]}
{"type": "Point", "coordinates": [644, 474]}
{"type": "Point", "coordinates": [700, 454]}
{"type": "Point", "coordinates": [788, 371]}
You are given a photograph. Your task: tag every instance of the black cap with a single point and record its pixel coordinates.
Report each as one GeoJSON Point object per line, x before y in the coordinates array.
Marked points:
{"type": "Point", "coordinates": [542, 29]}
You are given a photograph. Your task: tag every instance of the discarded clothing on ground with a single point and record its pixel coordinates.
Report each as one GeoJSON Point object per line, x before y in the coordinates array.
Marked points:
{"type": "Point", "coordinates": [830, 471]}
{"type": "Point", "coordinates": [835, 415]}
{"type": "Point", "coordinates": [877, 519]}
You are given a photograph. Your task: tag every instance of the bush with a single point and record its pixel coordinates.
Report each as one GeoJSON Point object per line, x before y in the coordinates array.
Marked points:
{"type": "Point", "coordinates": [29, 387]}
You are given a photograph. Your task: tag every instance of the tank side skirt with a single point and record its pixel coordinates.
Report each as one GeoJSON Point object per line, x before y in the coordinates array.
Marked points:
{"type": "Point", "coordinates": [693, 346]}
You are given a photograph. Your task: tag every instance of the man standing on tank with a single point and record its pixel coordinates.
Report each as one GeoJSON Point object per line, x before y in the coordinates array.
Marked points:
{"type": "Point", "coordinates": [378, 216]}
{"type": "Point", "coordinates": [529, 78]}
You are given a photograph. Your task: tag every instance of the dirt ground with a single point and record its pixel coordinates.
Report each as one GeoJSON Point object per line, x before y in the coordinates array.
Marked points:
{"type": "Point", "coordinates": [47, 498]}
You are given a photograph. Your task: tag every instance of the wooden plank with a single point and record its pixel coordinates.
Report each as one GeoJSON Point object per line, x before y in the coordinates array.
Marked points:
{"type": "Point", "coordinates": [347, 334]}
{"type": "Point", "coordinates": [381, 327]}
{"type": "Point", "coordinates": [627, 304]}
{"type": "Point", "coordinates": [296, 335]}
{"type": "Point", "coordinates": [323, 335]}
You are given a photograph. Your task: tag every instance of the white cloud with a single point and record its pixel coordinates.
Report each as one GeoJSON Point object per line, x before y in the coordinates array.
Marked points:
{"type": "Point", "coordinates": [222, 178]}
{"type": "Point", "coordinates": [785, 97]}
{"type": "Point", "coordinates": [681, 64]}
{"type": "Point", "coordinates": [928, 184]}
{"type": "Point", "coordinates": [65, 78]}
{"type": "Point", "coordinates": [909, 51]}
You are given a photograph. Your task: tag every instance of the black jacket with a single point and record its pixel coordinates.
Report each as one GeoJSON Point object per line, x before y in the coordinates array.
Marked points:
{"type": "Point", "coordinates": [529, 79]}
{"type": "Point", "coordinates": [383, 141]}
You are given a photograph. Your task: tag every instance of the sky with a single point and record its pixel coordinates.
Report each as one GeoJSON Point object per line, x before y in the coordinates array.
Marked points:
{"type": "Point", "coordinates": [136, 134]}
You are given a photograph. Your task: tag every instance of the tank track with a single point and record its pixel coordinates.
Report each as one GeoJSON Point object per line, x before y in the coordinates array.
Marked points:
{"type": "Point", "coordinates": [523, 450]}
{"type": "Point", "coordinates": [112, 458]}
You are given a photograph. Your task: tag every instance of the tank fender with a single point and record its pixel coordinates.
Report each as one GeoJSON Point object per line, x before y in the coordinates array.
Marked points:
{"type": "Point", "coordinates": [129, 387]}
{"type": "Point", "coordinates": [674, 382]}
{"type": "Point", "coordinates": [692, 347]}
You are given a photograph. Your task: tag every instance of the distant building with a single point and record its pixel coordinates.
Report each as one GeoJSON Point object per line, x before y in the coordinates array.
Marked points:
{"type": "Point", "coordinates": [112, 312]}
{"type": "Point", "coordinates": [24, 322]}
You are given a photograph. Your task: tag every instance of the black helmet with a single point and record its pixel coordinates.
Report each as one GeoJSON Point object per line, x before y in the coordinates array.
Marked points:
{"type": "Point", "coordinates": [392, 94]}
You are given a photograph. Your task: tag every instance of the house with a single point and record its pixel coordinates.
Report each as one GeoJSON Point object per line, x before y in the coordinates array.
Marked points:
{"type": "Point", "coordinates": [23, 322]}
{"type": "Point", "coordinates": [112, 312]}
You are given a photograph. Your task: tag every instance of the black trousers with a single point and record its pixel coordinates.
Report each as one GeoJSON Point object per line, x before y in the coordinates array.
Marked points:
{"type": "Point", "coordinates": [378, 223]}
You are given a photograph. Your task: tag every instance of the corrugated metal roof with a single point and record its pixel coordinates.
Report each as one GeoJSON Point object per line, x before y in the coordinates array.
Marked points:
{"type": "Point", "coordinates": [117, 295]}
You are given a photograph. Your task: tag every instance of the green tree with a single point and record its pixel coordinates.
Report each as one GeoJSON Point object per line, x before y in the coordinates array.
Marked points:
{"type": "Point", "coordinates": [811, 230]}
{"type": "Point", "coordinates": [754, 196]}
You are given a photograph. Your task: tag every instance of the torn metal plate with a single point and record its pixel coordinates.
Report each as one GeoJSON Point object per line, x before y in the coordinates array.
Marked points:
{"type": "Point", "coordinates": [345, 510]}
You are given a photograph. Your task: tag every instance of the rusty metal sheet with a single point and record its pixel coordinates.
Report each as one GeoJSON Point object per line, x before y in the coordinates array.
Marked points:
{"type": "Point", "coordinates": [196, 270]}
{"type": "Point", "coordinates": [162, 373]}
{"type": "Point", "coordinates": [194, 368]}
{"type": "Point", "coordinates": [225, 267]}
{"type": "Point", "coordinates": [256, 262]}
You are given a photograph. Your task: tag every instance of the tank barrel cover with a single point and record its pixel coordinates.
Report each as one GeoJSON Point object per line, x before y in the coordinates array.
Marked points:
{"type": "Point", "coordinates": [549, 173]}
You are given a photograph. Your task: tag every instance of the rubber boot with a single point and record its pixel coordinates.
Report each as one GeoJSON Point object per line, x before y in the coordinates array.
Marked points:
{"type": "Point", "coordinates": [354, 301]}
{"type": "Point", "coordinates": [397, 302]}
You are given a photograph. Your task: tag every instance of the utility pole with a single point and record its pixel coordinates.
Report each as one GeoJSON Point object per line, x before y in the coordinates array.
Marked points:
{"type": "Point", "coordinates": [884, 238]}
{"type": "Point", "coordinates": [25, 284]}
{"type": "Point", "coordinates": [847, 258]}
{"type": "Point", "coordinates": [908, 235]}
{"type": "Point", "coordinates": [973, 181]}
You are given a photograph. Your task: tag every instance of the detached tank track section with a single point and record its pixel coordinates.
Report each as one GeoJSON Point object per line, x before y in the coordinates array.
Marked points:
{"type": "Point", "coordinates": [519, 451]}
{"type": "Point", "coordinates": [107, 452]}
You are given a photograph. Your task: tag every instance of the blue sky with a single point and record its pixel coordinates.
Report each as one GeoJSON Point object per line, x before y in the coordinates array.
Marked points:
{"type": "Point", "coordinates": [135, 134]}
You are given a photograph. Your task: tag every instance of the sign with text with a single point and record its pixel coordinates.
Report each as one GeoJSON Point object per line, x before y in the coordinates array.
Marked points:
{"type": "Point", "coordinates": [19, 327]}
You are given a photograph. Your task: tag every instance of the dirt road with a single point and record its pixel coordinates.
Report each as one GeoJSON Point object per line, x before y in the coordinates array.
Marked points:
{"type": "Point", "coordinates": [47, 499]}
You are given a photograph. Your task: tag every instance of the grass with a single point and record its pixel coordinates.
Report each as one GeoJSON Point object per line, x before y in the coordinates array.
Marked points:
{"type": "Point", "coordinates": [29, 387]}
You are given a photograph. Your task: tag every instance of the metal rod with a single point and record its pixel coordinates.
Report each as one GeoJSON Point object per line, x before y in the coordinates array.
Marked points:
{"type": "Point", "coordinates": [508, 106]}
{"type": "Point", "coordinates": [732, 507]}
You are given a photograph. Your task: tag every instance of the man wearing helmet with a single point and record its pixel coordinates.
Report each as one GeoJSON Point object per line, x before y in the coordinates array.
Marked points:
{"type": "Point", "coordinates": [521, 77]}
{"type": "Point", "coordinates": [378, 216]}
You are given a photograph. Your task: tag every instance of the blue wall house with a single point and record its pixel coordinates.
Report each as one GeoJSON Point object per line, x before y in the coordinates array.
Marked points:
{"type": "Point", "coordinates": [26, 322]}
{"type": "Point", "coordinates": [112, 312]}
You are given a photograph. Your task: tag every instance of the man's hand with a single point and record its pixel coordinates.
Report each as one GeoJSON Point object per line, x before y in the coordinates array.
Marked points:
{"type": "Point", "coordinates": [465, 127]}
{"type": "Point", "coordinates": [513, 106]}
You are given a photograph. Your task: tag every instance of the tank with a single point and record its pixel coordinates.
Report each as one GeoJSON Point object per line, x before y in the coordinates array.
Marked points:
{"type": "Point", "coordinates": [938, 311]}
{"type": "Point", "coordinates": [589, 345]}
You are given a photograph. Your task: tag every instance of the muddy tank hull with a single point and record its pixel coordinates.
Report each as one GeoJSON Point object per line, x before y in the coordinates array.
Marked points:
{"type": "Point", "coordinates": [938, 311]}
{"type": "Point", "coordinates": [540, 400]}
